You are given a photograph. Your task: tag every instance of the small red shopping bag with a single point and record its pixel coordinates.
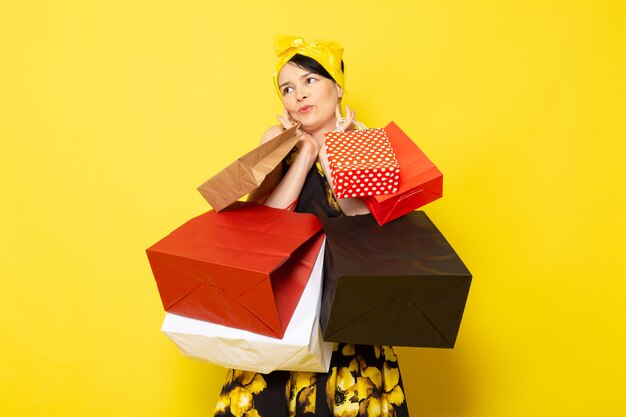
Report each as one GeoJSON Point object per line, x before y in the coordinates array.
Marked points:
{"type": "Point", "coordinates": [245, 267]}
{"type": "Point", "coordinates": [420, 181]}
{"type": "Point", "coordinates": [362, 163]}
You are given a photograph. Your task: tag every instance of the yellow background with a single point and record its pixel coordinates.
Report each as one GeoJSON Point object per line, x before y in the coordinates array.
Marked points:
{"type": "Point", "coordinates": [112, 112]}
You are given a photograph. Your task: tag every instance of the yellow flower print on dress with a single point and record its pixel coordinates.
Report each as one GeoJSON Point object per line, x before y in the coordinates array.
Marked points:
{"type": "Point", "coordinates": [389, 354]}
{"type": "Point", "coordinates": [340, 393]}
{"type": "Point", "coordinates": [363, 381]}
{"type": "Point", "coordinates": [392, 389]}
{"type": "Point", "coordinates": [348, 350]}
{"type": "Point", "coordinates": [300, 393]}
{"type": "Point", "coordinates": [238, 393]}
{"type": "Point", "coordinates": [377, 351]}
{"type": "Point", "coordinates": [363, 389]}
{"type": "Point", "coordinates": [371, 407]}
{"type": "Point", "coordinates": [374, 375]}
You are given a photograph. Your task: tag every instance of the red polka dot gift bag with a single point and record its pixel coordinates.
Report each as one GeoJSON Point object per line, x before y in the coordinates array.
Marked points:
{"type": "Point", "coordinates": [362, 163]}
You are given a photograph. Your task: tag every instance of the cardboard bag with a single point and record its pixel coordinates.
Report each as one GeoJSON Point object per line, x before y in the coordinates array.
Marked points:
{"type": "Point", "coordinates": [420, 180]}
{"type": "Point", "coordinates": [248, 172]}
{"type": "Point", "coordinates": [300, 349]}
{"type": "Point", "coordinates": [245, 267]}
{"type": "Point", "coordinates": [399, 284]}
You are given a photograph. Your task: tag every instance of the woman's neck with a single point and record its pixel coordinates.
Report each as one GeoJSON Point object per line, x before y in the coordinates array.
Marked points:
{"type": "Point", "coordinates": [318, 132]}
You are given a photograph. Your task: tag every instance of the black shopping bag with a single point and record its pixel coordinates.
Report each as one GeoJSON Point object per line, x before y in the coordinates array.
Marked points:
{"type": "Point", "coordinates": [400, 284]}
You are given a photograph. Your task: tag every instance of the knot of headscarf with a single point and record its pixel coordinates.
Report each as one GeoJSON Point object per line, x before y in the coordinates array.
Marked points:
{"type": "Point", "coordinates": [328, 54]}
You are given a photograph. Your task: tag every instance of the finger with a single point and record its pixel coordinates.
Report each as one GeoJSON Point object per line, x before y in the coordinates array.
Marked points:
{"type": "Point", "coordinates": [353, 114]}
{"type": "Point", "coordinates": [348, 123]}
{"type": "Point", "coordinates": [348, 126]}
{"type": "Point", "coordinates": [352, 117]}
{"type": "Point", "coordinates": [288, 117]}
{"type": "Point", "coordinates": [284, 122]}
{"type": "Point", "coordinates": [350, 113]}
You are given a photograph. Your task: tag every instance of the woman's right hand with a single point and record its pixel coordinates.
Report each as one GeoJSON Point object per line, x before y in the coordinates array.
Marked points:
{"type": "Point", "coordinates": [286, 186]}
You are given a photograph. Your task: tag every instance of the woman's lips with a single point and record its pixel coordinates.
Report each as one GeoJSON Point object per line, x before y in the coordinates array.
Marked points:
{"type": "Point", "coordinates": [305, 109]}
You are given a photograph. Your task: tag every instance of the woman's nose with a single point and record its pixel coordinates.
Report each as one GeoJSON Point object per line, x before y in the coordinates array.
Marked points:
{"type": "Point", "coordinates": [302, 95]}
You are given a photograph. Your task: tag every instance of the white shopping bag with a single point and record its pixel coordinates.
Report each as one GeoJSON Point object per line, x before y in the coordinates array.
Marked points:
{"type": "Point", "coordinates": [301, 348]}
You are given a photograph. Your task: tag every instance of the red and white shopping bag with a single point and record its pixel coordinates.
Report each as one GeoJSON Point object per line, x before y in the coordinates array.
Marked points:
{"type": "Point", "coordinates": [420, 183]}
{"type": "Point", "coordinates": [362, 163]}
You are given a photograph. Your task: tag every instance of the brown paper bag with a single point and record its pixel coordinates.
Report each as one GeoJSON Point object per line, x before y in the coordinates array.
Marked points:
{"type": "Point", "coordinates": [248, 172]}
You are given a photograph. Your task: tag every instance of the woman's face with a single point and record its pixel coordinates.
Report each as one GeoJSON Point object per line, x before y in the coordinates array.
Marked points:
{"type": "Point", "coordinates": [308, 97]}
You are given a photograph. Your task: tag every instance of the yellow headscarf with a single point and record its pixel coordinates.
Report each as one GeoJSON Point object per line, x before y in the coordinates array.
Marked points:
{"type": "Point", "coordinates": [328, 54]}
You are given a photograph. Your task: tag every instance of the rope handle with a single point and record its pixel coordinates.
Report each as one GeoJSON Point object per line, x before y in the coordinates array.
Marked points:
{"type": "Point", "coordinates": [358, 125]}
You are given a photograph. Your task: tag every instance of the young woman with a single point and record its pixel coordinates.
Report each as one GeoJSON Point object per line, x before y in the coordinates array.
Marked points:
{"type": "Point", "coordinates": [363, 380]}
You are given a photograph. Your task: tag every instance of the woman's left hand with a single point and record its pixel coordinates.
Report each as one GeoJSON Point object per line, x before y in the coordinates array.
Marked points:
{"type": "Point", "coordinates": [346, 123]}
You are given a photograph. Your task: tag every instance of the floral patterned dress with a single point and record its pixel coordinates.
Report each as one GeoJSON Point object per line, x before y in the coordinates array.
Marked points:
{"type": "Point", "coordinates": [362, 381]}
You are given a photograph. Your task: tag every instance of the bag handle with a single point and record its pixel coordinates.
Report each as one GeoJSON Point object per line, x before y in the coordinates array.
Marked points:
{"type": "Point", "coordinates": [357, 125]}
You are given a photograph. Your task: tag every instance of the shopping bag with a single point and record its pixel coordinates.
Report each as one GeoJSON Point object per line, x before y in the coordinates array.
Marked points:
{"type": "Point", "coordinates": [244, 267]}
{"type": "Point", "coordinates": [247, 173]}
{"type": "Point", "coordinates": [361, 162]}
{"type": "Point", "coordinates": [399, 284]}
{"type": "Point", "coordinates": [420, 180]}
{"type": "Point", "coordinates": [300, 349]}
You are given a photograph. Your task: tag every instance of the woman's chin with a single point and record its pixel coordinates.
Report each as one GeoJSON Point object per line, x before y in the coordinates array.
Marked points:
{"type": "Point", "coordinates": [314, 125]}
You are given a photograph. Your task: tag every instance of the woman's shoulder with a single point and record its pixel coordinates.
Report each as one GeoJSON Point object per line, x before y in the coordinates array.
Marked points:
{"type": "Point", "coordinates": [271, 133]}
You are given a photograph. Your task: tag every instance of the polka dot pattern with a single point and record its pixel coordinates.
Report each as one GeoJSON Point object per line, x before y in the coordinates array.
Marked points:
{"type": "Point", "coordinates": [362, 163]}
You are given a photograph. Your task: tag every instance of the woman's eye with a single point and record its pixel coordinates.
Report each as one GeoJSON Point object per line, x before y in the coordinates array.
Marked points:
{"type": "Point", "coordinates": [310, 80]}
{"type": "Point", "coordinates": [287, 90]}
